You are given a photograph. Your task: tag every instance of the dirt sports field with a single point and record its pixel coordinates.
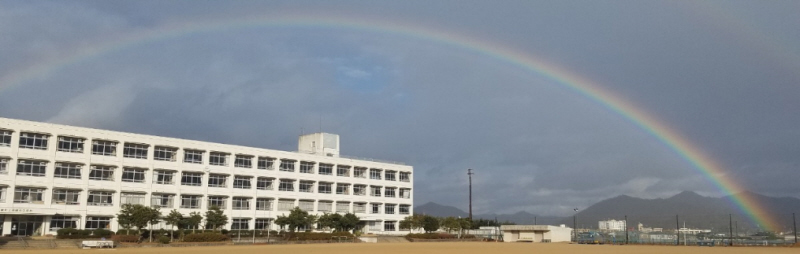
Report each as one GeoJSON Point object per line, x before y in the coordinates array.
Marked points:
{"type": "Point", "coordinates": [419, 248]}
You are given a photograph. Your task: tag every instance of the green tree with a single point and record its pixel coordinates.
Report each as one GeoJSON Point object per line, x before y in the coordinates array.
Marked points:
{"type": "Point", "coordinates": [174, 218]}
{"type": "Point", "coordinates": [329, 221]}
{"type": "Point", "coordinates": [449, 224]}
{"type": "Point", "coordinates": [349, 222]}
{"type": "Point", "coordinates": [193, 220]}
{"type": "Point", "coordinates": [430, 223]}
{"type": "Point", "coordinates": [296, 218]}
{"type": "Point", "coordinates": [215, 218]}
{"type": "Point", "coordinates": [412, 222]}
{"type": "Point", "coordinates": [139, 216]}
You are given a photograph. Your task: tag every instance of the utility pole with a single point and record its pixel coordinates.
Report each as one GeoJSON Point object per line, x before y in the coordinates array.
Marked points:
{"type": "Point", "coordinates": [626, 229]}
{"type": "Point", "coordinates": [469, 173]}
{"type": "Point", "coordinates": [794, 222]}
{"type": "Point", "coordinates": [730, 226]}
{"type": "Point", "coordinates": [678, 230]}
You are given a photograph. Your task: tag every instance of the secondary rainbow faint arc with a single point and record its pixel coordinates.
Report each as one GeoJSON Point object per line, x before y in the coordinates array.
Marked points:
{"type": "Point", "coordinates": [712, 170]}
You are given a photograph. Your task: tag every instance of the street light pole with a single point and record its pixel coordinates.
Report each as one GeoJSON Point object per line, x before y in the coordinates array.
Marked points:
{"type": "Point", "coordinates": [469, 173]}
{"type": "Point", "coordinates": [575, 225]}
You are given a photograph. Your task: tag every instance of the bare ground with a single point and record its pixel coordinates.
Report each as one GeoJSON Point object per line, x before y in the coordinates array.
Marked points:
{"type": "Point", "coordinates": [421, 248]}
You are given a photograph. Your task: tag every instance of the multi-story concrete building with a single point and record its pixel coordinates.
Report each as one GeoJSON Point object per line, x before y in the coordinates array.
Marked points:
{"type": "Point", "coordinates": [611, 225]}
{"type": "Point", "coordinates": [57, 176]}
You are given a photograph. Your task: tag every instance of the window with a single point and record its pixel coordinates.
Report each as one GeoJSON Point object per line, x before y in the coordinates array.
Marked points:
{"type": "Point", "coordinates": [240, 223]}
{"type": "Point", "coordinates": [264, 183]}
{"type": "Point", "coordinates": [59, 221]}
{"type": "Point", "coordinates": [31, 168]}
{"type": "Point", "coordinates": [101, 173]}
{"type": "Point", "coordinates": [94, 222]}
{"type": "Point", "coordinates": [163, 176]}
{"type": "Point", "coordinates": [325, 169]}
{"type": "Point", "coordinates": [33, 141]}
{"type": "Point", "coordinates": [190, 201]}
{"type": "Point", "coordinates": [343, 189]}
{"type": "Point", "coordinates": [287, 165]}
{"type": "Point", "coordinates": [325, 206]}
{"type": "Point", "coordinates": [193, 156]}
{"type": "Point", "coordinates": [405, 177]}
{"type": "Point", "coordinates": [5, 137]}
{"type": "Point", "coordinates": [219, 201]}
{"type": "Point", "coordinates": [66, 197]}
{"type": "Point", "coordinates": [3, 166]}
{"type": "Point", "coordinates": [342, 207]}
{"type": "Point", "coordinates": [307, 205]}
{"type": "Point", "coordinates": [359, 207]}
{"type": "Point", "coordinates": [219, 159]}
{"type": "Point", "coordinates": [70, 144]}
{"type": "Point", "coordinates": [375, 174]}
{"type": "Point", "coordinates": [136, 151]}
{"type": "Point", "coordinates": [105, 148]}
{"type": "Point", "coordinates": [163, 153]}
{"type": "Point", "coordinates": [133, 175]}
{"type": "Point", "coordinates": [242, 182]}
{"type": "Point", "coordinates": [376, 191]}
{"type": "Point", "coordinates": [68, 170]}
{"type": "Point", "coordinates": [360, 172]}
{"type": "Point", "coordinates": [161, 200]}
{"type": "Point", "coordinates": [342, 170]}
{"type": "Point", "coordinates": [388, 226]}
{"type": "Point", "coordinates": [374, 225]}
{"type": "Point", "coordinates": [285, 204]}
{"type": "Point", "coordinates": [286, 185]}
{"type": "Point", "coordinates": [29, 195]}
{"type": "Point", "coordinates": [306, 186]}
{"type": "Point", "coordinates": [243, 161]}
{"type": "Point", "coordinates": [376, 208]}
{"type": "Point", "coordinates": [266, 163]}
{"type": "Point", "coordinates": [264, 204]}
{"type": "Point", "coordinates": [217, 180]}
{"type": "Point", "coordinates": [262, 224]}
{"type": "Point", "coordinates": [132, 198]}
{"type": "Point", "coordinates": [306, 167]}
{"type": "Point", "coordinates": [389, 175]}
{"type": "Point", "coordinates": [359, 190]}
{"type": "Point", "coordinates": [241, 203]}
{"type": "Point", "coordinates": [100, 198]}
{"type": "Point", "coordinates": [389, 192]}
{"type": "Point", "coordinates": [191, 179]}
{"type": "Point", "coordinates": [405, 209]}
{"type": "Point", "coordinates": [325, 188]}
{"type": "Point", "coordinates": [405, 193]}
{"type": "Point", "coordinates": [389, 208]}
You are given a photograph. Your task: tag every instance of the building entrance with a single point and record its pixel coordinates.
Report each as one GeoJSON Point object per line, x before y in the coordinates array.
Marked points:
{"type": "Point", "coordinates": [26, 225]}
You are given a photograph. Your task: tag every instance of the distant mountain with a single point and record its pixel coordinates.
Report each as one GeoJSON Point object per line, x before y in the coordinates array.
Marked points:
{"type": "Point", "coordinates": [694, 210]}
{"type": "Point", "coordinates": [691, 209]}
{"type": "Point", "coordinates": [438, 210]}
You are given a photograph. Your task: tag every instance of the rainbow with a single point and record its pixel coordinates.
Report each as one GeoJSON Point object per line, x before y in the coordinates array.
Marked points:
{"type": "Point", "coordinates": [710, 169]}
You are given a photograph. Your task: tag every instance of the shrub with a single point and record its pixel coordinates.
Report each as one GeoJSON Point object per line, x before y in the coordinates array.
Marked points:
{"type": "Point", "coordinates": [311, 236]}
{"type": "Point", "coordinates": [125, 238]}
{"type": "Point", "coordinates": [163, 239]}
{"type": "Point", "coordinates": [206, 237]}
{"type": "Point", "coordinates": [71, 233]}
{"type": "Point", "coordinates": [437, 236]}
{"type": "Point", "coordinates": [102, 233]}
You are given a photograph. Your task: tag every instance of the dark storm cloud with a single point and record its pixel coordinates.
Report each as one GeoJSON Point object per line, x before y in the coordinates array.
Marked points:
{"type": "Point", "coordinates": [438, 108]}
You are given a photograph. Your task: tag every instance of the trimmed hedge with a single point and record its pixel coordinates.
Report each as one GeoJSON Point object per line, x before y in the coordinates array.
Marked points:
{"type": "Point", "coordinates": [437, 236]}
{"type": "Point", "coordinates": [206, 237]}
{"type": "Point", "coordinates": [312, 236]}
{"type": "Point", "coordinates": [71, 233]}
{"type": "Point", "coordinates": [125, 238]}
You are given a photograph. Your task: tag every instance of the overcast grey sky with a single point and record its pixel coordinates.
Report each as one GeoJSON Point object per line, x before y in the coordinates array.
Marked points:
{"type": "Point", "coordinates": [723, 74]}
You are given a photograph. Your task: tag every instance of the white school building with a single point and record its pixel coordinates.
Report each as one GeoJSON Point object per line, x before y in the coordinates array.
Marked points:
{"type": "Point", "coordinates": [56, 176]}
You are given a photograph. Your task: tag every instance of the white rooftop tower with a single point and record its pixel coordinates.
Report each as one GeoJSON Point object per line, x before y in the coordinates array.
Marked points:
{"type": "Point", "coordinates": [319, 143]}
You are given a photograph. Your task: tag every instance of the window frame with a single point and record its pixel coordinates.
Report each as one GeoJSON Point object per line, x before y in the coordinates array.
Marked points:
{"type": "Point", "coordinates": [106, 173]}
{"type": "Point", "coordinates": [307, 167]}
{"type": "Point", "coordinates": [162, 200]}
{"type": "Point", "coordinates": [73, 170]}
{"type": "Point", "coordinates": [138, 174]}
{"type": "Point", "coordinates": [267, 163]}
{"type": "Point", "coordinates": [287, 165]}
{"type": "Point", "coordinates": [286, 185]}
{"type": "Point", "coordinates": [99, 198]}
{"type": "Point", "coordinates": [67, 194]}
{"type": "Point", "coordinates": [193, 156]}
{"type": "Point", "coordinates": [306, 186]}
{"type": "Point", "coordinates": [240, 203]}
{"type": "Point", "coordinates": [70, 144]}
{"type": "Point", "coordinates": [160, 174]}
{"type": "Point", "coordinates": [165, 153]}
{"type": "Point", "coordinates": [38, 141]}
{"type": "Point", "coordinates": [325, 187]}
{"type": "Point", "coordinates": [191, 176]}
{"type": "Point", "coordinates": [242, 182]}
{"type": "Point", "coordinates": [37, 168]}
{"type": "Point", "coordinates": [325, 169]}
{"type": "Point", "coordinates": [342, 188]}
{"type": "Point", "coordinates": [218, 159]}
{"type": "Point", "coordinates": [191, 201]}
{"type": "Point", "coordinates": [375, 173]}
{"type": "Point", "coordinates": [268, 183]}
{"type": "Point", "coordinates": [28, 195]}
{"type": "Point", "coordinates": [135, 150]}
{"type": "Point", "coordinates": [104, 147]}
{"type": "Point", "coordinates": [217, 180]}
{"type": "Point", "coordinates": [5, 137]}
{"type": "Point", "coordinates": [219, 201]}
{"type": "Point", "coordinates": [243, 161]}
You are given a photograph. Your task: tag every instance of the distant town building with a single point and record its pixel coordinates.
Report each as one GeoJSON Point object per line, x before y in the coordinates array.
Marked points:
{"type": "Point", "coordinates": [611, 225]}
{"type": "Point", "coordinates": [536, 233]}
{"type": "Point", "coordinates": [643, 229]}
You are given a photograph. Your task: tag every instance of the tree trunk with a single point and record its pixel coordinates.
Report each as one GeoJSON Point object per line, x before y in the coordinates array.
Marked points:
{"type": "Point", "coordinates": [151, 232]}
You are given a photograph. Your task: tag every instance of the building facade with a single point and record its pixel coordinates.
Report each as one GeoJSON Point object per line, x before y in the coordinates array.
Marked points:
{"type": "Point", "coordinates": [611, 225]}
{"type": "Point", "coordinates": [57, 176]}
{"type": "Point", "coordinates": [536, 233]}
